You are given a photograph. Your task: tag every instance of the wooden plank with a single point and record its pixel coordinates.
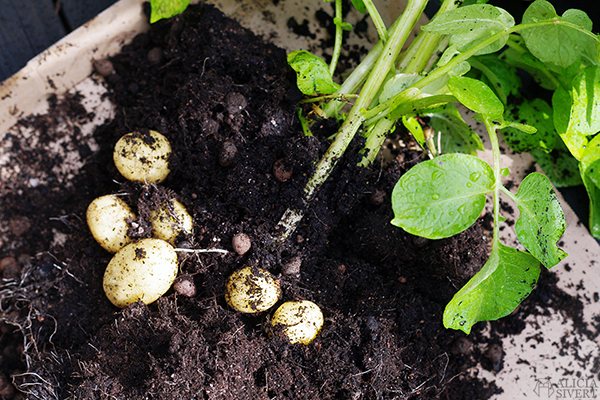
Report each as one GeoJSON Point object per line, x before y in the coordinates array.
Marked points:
{"type": "Point", "coordinates": [78, 12]}
{"type": "Point", "coordinates": [27, 27]}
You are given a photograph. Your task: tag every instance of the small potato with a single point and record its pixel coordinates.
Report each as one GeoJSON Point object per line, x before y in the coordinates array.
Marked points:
{"type": "Point", "coordinates": [301, 321]}
{"type": "Point", "coordinates": [140, 271]}
{"type": "Point", "coordinates": [170, 220]}
{"type": "Point", "coordinates": [252, 290]}
{"type": "Point", "coordinates": [107, 218]}
{"type": "Point", "coordinates": [143, 158]}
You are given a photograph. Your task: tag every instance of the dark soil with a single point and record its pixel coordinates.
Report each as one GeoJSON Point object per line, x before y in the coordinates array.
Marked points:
{"type": "Point", "coordinates": [226, 101]}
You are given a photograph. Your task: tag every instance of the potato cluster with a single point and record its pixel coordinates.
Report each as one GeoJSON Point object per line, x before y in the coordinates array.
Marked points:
{"type": "Point", "coordinates": [144, 270]}
{"type": "Point", "coordinates": [253, 290]}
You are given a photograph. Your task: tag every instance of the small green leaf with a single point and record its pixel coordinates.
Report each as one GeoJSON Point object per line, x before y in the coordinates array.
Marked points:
{"type": "Point", "coordinates": [476, 96]}
{"type": "Point", "coordinates": [559, 165]}
{"type": "Point", "coordinates": [590, 161]}
{"type": "Point", "coordinates": [534, 112]}
{"type": "Point", "coordinates": [344, 25]}
{"type": "Point", "coordinates": [415, 128]}
{"type": "Point", "coordinates": [312, 73]}
{"type": "Point", "coordinates": [472, 24]}
{"type": "Point", "coordinates": [442, 197]}
{"type": "Point", "coordinates": [505, 280]}
{"type": "Point", "coordinates": [457, 135]}
{"type": "Point", "coordinates": [541, 221]}
{"type": "Point", "coordinates": [556, 43]}
{"type": "Point", "coordinates": [166, 9]}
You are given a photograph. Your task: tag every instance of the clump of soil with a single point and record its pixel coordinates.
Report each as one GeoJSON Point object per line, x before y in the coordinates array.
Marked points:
{"type": "Point", "coordinates": [226, 101]}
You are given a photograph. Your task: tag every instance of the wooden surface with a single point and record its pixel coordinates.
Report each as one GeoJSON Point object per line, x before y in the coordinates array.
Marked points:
{"type": "Point", "coordinates": [28, 27]}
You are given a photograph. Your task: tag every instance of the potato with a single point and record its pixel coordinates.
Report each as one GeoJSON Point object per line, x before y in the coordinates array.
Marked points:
{"type": "Point", "coordinates": [300, 321]}
{"type": "Point", "coordinates": [107, 218]}
{"type": "Point", "coordinates": [143, 158]}
{"type": "Point", "coordinates": [252, 290]}
{"type": "Point", "coordinates": [144, 271]}
{"type": "Point", "coordinates": [170, 220]}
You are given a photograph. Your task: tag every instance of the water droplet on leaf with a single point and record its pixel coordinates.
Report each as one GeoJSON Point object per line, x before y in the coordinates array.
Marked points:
{"type": "Point", "coordinates": [475, 176]}
{"type": "Point", "coordinates": [462, 209]}
{"type": "Point", "coordinates": [435, 196]}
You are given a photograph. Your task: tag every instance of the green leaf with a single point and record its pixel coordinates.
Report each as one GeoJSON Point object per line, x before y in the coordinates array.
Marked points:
{"type": "Point", "coordinates": [541, 220]}
{"type": "Point", "coordinates": [556, 43]}
{"type": "Point", "coordinates": [442, 197]}
{"type": "Point", "coordinates": [590, 161]}
{"type": "Point", "coordinates": [312, 73]}
{"type": "Point", "coordinates": [534, 112]}
{"type": "Point", "coordinates": [559, 165]}
{"type": "Point", "coordinates": [524, 61]}
{"type": "Point", "coordinates": [472, 24]}
{"type": "Point", "coordinates": [577, 113]}
{"type": "Point", "coordinates": [415, 128]}
{"type": "Point", "coordinates": [594, 195]}
{"type": "Point", "coordinates": [505, 280]}
{"type": "Point", "coordinates": [360, 6]}
{"type": "Point", "coordinates": [498, 75]}
{"type": "Point", "coordinates": [166, 9]}
{"type": "Point", "coordinates": [476, 96]}
{"type": "Point", "coordinates": [457, 135]}
{"type": "Point", "coordinates": [344, 25]}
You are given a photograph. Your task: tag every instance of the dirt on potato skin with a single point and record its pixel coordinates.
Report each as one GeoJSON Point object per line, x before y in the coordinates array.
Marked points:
{"type": "Point", "coordinates": [203, 81]}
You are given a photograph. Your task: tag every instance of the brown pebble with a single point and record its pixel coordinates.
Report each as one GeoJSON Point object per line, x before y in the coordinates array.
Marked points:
{"type": "Point", "coordinates": [103, 67]}
{"type": "Point", "coordinates": [282, 171]}
{"type": "Point", "coordinates": [19, 225]}
{"type": "Point", "coordinates": [228, 154]}
{"type": "Point", "coordinates": [185, 286]}
{"type": "Point", "coordinates": [494, 353]}
{"type": "Point", "coordinates": [156, 56]}
{"type": "Point", "coordinates": [401, 279]}
{"type": "Point", "coordinates": [10, 268]}
{"type": "Point", "coordinates": [292, 267]}
{"type": "Point", "coordinates": [241, 243]}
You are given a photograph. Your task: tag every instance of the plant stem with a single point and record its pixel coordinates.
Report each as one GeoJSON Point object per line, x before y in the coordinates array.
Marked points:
{"type": "Point", "coordinates": [337, 48]}
{"type": "Point", "coordinates": [491, 128]}
{"type": "Point", "coordinates": [377, 20]}
{"type": "Point", "coordinates": [352, 123]}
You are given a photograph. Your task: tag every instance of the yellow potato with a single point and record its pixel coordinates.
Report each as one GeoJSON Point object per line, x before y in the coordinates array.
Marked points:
{"type": "Point", "coordinates": [252, 290]}
{"type": "Point", "coordinates": [143, 158]}
{"type": "Point", "coordinates": [107, 218]}
{"type": "Point", "coordinates": [170, 220]}
{"type": "Point", "coordinates": [301, 321]}
{"type": "Point", "coordinates": [140, 271]}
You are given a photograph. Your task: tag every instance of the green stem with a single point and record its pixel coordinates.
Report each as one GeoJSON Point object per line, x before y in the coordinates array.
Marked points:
{"type": "Point", "coordinates": [377, 20]}
{"type": "Point", "coordinates": [491, 128]}
{"type": "Point", "coordinates": [352, 123]}
{"type": "Point", "coordinates": [337, 47]}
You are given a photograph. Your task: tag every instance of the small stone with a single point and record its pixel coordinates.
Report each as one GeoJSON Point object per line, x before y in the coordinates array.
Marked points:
{"type": "Point", "coordinates": [282, 171]}
{"type": "Point", "coordinates": [156, 56]}
{"type": "Point", "coordinates": [494, 353]}
{"type": "Point", "coordinates": [228, 154]}
{"type": "Point", "coordinates": [292, 267]}
{"type": "Point", "coordinates": [185, 286]}
{"type": "Point", "coordinates": [103, 67]}
{"type": "Point", "coordinates": [241, 243]}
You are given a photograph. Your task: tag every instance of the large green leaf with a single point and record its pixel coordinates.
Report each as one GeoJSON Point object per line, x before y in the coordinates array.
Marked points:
{"type": "Point", "coordinates": [503, 283]}
{"type": "Point", "coordinates": [457, 135]}
{"type": "Point", "coordinates": [166, 9]}
{"type": "Point", "coordinates": [312, 73]}
{"type": "Point", "coordinates": [593, 192]}
{"type": "Point", "coordinates": [536, 113]}
{"type": "Point", "coordinates": [442, 197]}
{"type": "Point", "coordinates": [476, 96]}
{"type": "Point", "coordinates": [472, 24]}
{"type": "Point", "coordinates": [577, 112]}
{"type": "Point", "coordinates": [559, 165]}
{"type": "Point", "coordinates": [541, 221]}
{"type": "Point", "coordinates": [557, 43]}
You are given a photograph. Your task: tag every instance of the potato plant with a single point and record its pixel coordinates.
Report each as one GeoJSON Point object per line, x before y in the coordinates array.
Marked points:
{"type": "Point", "coordinates": [468, 54]}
